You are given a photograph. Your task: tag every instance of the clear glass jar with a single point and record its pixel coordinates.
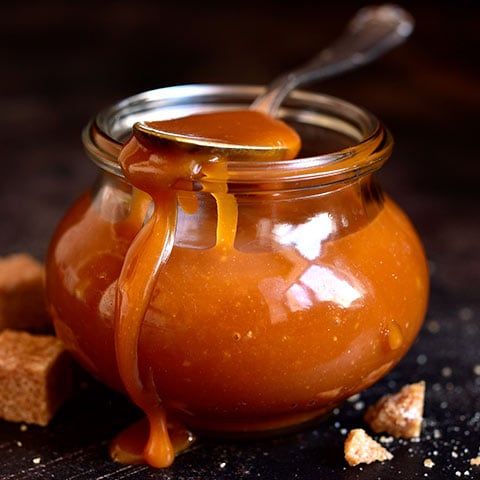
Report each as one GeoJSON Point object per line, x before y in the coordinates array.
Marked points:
{"type": "Point", "coordinates": [321, 292]}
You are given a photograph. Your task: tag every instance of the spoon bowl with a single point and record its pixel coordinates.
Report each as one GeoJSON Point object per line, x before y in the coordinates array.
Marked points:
{"type": "Point", "coordinates": [147, 132]}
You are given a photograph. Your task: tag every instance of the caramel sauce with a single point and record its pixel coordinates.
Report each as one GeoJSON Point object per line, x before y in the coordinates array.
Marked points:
{"type": "Point", "coordinates": [281, 307]}
{"type": "Point", "coordinates": [155, 169]}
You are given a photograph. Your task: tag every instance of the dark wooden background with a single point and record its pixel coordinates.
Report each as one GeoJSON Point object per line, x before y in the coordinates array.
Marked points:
{"type": "Point", "coordinates": [60, 62]}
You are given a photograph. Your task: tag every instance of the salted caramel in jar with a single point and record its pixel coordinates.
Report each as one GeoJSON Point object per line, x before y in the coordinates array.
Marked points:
{"type": "Point", "coordinates": [234, 293]}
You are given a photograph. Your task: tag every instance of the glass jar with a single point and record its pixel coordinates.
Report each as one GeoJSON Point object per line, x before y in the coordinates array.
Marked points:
{"type": "Point", "coordinates": [320, 293]}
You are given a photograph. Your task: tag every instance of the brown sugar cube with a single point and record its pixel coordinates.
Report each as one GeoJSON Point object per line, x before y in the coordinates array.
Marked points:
{"type": "Point", "coordinates": [359, 448]}
{"type": "Point", "coordinates": [399, 414]}
{"type": "Point", "coordinates": [35, 376]}
{"type": "Point", "coordinates": [475, 461]}
{"type": "Point", "coordinates": [22, 294]}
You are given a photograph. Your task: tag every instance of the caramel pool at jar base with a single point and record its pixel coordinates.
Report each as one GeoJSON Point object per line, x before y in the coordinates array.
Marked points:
{"type": "Point", "coordinates": [243, 295]}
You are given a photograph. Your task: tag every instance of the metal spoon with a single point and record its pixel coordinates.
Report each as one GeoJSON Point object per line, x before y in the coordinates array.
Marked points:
{"type": "Point", "coordinates": [373, 31]}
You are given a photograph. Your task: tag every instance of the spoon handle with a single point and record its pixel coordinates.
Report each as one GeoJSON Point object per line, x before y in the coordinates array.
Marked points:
{"type": "Point", "coordinates": [372, 32]}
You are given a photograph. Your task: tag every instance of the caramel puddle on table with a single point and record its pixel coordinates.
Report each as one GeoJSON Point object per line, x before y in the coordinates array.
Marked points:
{"type": "Point", "coordinates": [156, 168]}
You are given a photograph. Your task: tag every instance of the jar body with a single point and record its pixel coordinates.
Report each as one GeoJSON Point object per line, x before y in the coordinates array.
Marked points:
{"type": "Point", "coordinates": [299, 316]}
{"type": "Point", "coordinates": [322, 292]}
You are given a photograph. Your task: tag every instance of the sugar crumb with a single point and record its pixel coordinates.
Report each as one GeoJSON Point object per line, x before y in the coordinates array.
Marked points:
{"type": "Point", "coordinates": [386, 439]}
{"type": "Point", "coordinates": [422, 359]}
{"type": "Point", "coordinates": [447, 372]}
{"type": "Point", "coordinates": [399, 414]}
{"type": "Point", "coordinates": [360, 448]}
{"type": "Point", "coordinates": [465, 313]}
{"type": "Point", "coordinates": [433, 326]}
{"type": "Point", "coordinates": [428, 463]}
{"type": "Point", "coordinates": [359, 406]}
{"type": "Point", "coordinates": [354, 398]}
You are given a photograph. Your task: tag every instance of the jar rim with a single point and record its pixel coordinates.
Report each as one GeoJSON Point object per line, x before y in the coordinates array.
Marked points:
{"type": "Point", "coordinates": [104, 135]}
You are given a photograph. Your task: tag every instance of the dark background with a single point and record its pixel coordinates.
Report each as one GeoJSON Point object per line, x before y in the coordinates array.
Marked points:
{"type": "Point", "coordinates": [60, 62]}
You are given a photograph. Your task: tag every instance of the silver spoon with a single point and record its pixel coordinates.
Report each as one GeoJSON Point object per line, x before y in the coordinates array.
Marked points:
{"type": "Point", "coordinates": [373, 31]}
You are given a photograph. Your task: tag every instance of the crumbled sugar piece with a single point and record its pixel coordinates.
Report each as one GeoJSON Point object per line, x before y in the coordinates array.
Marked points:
{"type": "Point", "coordinates": [35, 377]}
{"type": "Point", "coordinates": [428, 463]}
{"type": "Point", "coordinates": [399, 414]}
{"type": "Point", "coordinates": [36, 460]}
{"type": "Point", "coordinates": [360, 448]}
{"type": "Point", "coordinates": [22, 294]}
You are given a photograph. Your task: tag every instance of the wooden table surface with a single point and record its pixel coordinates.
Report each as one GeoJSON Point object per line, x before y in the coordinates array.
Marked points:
{"type": "Point", "coordinates": [63, 61]}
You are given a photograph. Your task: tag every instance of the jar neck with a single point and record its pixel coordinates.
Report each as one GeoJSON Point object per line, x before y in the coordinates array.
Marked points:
{"type": "Point", "coordinates": [341, 142]}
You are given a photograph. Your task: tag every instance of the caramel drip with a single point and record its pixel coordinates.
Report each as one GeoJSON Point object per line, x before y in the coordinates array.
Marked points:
{"type": "Point", "coordinates": [227, 217]}
{"type": "Point", "coordinates": [128, 446]}
{"type": "Point", "coordinates": [148, 252]}
{"type": "Point", "coordinates": [138, 209]}
{"type": "Point", "coordinates": [227, 208]}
